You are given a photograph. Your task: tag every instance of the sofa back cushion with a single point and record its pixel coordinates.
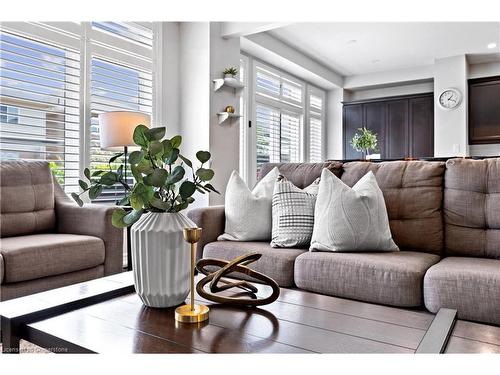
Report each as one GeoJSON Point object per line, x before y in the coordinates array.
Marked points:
{"type": "Point", "coordinates": [302, 174]}
{"type": "Point", "coordinates": [413, 193]}
{"type": "Point", "coordinates": [26, 198]}
{"type": "Point", "coordinates": [472, 207]}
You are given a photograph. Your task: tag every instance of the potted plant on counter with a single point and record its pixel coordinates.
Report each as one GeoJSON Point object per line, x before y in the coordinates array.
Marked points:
{"type": "Point", "coordinates": [364, 142]}
{"type": "Point", "coordinates": [164, 184]}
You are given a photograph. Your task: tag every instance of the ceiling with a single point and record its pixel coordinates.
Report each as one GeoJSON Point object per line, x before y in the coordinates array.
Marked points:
{"type": "Point", "coordinates": [360, 48]}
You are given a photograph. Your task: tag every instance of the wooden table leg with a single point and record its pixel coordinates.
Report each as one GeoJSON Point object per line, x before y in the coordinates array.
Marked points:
{"type": "Point", "coordinates": [10, 337]}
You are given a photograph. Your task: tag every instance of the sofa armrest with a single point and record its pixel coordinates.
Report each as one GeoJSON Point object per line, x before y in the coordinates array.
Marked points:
{"type": "Point", "coordinates": [212, 221]}
{"type": "Point", "coordinates": [2, 272]}
{"type": "Point", "coordinates": [91, 220]}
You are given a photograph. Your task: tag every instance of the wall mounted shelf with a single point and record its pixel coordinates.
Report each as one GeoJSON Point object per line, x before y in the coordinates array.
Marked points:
{"type": "Point", "coordinates": [227, 82]}
{"type": "Point", "coordinates": [223, 116]}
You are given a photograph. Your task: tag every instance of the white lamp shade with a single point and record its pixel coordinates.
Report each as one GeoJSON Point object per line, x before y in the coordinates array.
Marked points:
{"type": "Point", "coordinates": [116, 129]}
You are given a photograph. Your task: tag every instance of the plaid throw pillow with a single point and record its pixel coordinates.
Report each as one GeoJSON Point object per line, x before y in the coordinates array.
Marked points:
{"type": "Point", "coordinates": [293, 213]}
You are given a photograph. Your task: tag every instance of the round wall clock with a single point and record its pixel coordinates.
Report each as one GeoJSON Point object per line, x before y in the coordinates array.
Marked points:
{"type": "Point", "coordinates": [450, 99]}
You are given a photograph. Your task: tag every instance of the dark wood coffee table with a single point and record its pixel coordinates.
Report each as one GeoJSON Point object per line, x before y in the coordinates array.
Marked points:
{"type": "Point", "coordinates": [106, 316]}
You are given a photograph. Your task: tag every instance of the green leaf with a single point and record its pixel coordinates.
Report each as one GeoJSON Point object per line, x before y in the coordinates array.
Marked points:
{"type": "Point", "coordinates": [95, 191]}
{"type": "Point", "coordinates": [97, 173]}
{"type": "Point", "coordinates": [156, 134]}
{"type": "Point", "coordinates": [210, 187]}
{"type": "Point", "coordinates": [172, 157]}
{"type": "Point", "coordinates": [112, 159]}
{"type": "Point", "coordinates": [141, 196]}
{"type": "Point", "coordinates": [135, 157]}
{"type": "Point", "coordinates": [203, 156]}
{"type": "Point", "coordinates": [137, 175]}
{"type": "Point", "coordinates": [186, 160]}
{"type": "Point", "coordinates": [176, 175]}
{"type": "Point", "coordinates": [176, 141]}
{"type": "Point", "coordinates": [132, 217]}
{"type": "Point", "coordinates": [119, 173]}
{"type": "Point", "coordinates": [86, 172]}
{"type": "Point", "coordinates": [117, 218]}
{"type": "Point", "coordinates": [181, 206]}
{"type": "Point", "coordinates": [109, 178]}
{"type": "Point", "coordinates": [167, 147]}
{"type": "Point", "coordinates": [140, 137]}
{"type": "Point", "coordinates": [205, 174]}
{"type": "Point", "coordinates": [83, 184]}
{"type": "Point", "coordinates": [199, 190]}
{"type": "Point", "coordinates": [77, 199]}
{"type": "Point", "coordinates": [155, 148]}
{"type": "Point", "coordinates": [187, 189]}
{"type": "Point", "coordinates": [190, 199]}
{"type": "Point", "coordinates": [159, 204]}
{"type": "Point", "coordinates": [123, 202]}
{"type": "Point", "coordinates": [156, 178]}
{"type": "Point", "coordinates": [144, 166]}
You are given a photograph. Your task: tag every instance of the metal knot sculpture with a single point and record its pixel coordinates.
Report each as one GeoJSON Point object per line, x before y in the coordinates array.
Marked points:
{"type": "Point", "coordinates": [237, 265]}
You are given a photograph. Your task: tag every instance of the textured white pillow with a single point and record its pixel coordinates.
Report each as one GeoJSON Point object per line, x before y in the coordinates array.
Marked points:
{"type": "Point", "coordinates": [248, 213]}
{"type": "Point", "coordinates": [350, 219]}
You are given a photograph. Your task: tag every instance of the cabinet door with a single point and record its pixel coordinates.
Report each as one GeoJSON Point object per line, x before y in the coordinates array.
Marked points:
{"type": "Point", "coordinates": [353, 120]}
{"type": "Point", "coordinates": [422, 127]}
{"type": "Point", "coordinates": [484, 112]}
{"type": "Point", "coordinates": [397, 129]}
{"type": "Point", "coordinates": [376, 120]}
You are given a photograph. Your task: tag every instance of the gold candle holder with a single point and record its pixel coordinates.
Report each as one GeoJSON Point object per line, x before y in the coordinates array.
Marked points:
{"type": "Point", "coordinates": [192, 313]}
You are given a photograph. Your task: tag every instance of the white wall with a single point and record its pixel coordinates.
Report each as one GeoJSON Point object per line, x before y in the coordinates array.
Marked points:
{"type": "Point", "coordinates": [224, 139]}
{"type": "Point", "coordinates": [194, 91]}
{"type": "Point", "coordinates": [417, 88]}
{"type": "Point", "coordinates": [450, 126]}
{"type": "Point", "coordinates": [334, 136]}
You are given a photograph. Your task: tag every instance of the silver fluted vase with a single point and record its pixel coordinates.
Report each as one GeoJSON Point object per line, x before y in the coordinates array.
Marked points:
{"type": "Point", "coordinates": [161, 259]}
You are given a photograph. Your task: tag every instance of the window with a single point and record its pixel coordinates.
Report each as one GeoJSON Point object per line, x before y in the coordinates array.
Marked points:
{"type": "Point", "coordinates": [39, 110]}
{"type": "Point", "coordinates": [278, 117]}
{"type": "Point", "coordinates": [46, 114]}
{"type": "Point", "coordinates": [288, 114]}
{"type": "Point", "coordinates": [316, 116]}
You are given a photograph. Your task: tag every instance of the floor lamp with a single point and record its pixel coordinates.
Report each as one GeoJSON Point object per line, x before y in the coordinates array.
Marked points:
{"type": "Point", "coordinates": [116, 130]}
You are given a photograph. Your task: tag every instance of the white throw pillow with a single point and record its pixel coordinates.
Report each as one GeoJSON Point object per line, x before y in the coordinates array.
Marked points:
{"type": "Point", "coordinates": [351, 219]}
{"type": "Point", "coordinates": [248, 213]}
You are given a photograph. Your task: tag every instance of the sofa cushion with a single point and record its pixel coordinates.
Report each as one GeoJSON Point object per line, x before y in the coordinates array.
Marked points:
{"type": "Point", "coordinates": [472, 208]}
{"type": "Point", "coordinates": [302, 174]}
{"type": "Point", "coordinates": [470, 285]}
{"type": "Point", "coordinates": [26, 198]}
{"type": "Point", "coordinates": [388, 278]}
{"type": "Point", "coordinates": [413, 196]}
{"type": "Point", "coordinates": [275, 263]}
{"type": "Point", "coordinates": [39, 255]}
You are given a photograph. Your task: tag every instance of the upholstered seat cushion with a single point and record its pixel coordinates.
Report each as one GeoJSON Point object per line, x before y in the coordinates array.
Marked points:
{"type": "Point", "coordinates": [470, 285]}
{"type": "Point", "coordinates": [275, 263]}
{"type": "Point", "coordinates": [394, 278]}
{"type": "Point", "coordinates": [40, 255]}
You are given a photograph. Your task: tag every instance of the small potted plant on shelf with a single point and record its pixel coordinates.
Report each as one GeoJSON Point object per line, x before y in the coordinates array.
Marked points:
{"type": "Point", "coordinates": [162, 188]}
{"type": "Point", "coordinates": [364, 142]}
{"type": "Point", "coordinates": [230, 73]}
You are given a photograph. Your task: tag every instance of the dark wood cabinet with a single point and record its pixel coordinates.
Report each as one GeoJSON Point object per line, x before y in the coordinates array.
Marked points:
{"type": "Point", "coordinates": [404, 125]}
{"type": "Point", "coordinates": [484, 110]}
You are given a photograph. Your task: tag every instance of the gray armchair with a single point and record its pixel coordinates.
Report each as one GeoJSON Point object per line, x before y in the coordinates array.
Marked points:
{"type": "Point", "coordinates": [46, 240]}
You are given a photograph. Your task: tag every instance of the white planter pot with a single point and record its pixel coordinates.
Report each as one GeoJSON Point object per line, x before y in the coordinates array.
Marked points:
{"type": "Point", "coordinates": [229, 77]}
{"type": "Point", "coordinates": [161, 259]}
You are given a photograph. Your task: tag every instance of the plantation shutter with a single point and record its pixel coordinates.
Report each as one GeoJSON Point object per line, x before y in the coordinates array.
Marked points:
{"type": "Point", "coordinates": [315, 128]}
{"type": "Point", "coordinates": [117, 86]}
{"type": "Point", "coordinates": [268, 135]}
{"type": "Point", "coordinates": [39, 105]}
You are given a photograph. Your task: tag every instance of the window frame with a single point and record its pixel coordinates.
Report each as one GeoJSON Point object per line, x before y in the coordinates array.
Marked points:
{"type": "Point", "coordinates": [248, 155]}
{"type": "Point", "coordinates": [92, 42]}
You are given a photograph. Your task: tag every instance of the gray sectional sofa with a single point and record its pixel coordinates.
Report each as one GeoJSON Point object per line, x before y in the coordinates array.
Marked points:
{"type": "Point", "coordinates": [444, 216]}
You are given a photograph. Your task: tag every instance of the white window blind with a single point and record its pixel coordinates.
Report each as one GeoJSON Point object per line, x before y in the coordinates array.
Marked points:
{"type": "Point", "coordinates": [115, 87]}
{"type": "Point", "coordinates": [272, 84]}
{"type": "Point", "coordinates": [39, 105]}
{"type": "Point", "coordinates": [315, 116]}
{"type": "Point", "coordinates": [131, 31]}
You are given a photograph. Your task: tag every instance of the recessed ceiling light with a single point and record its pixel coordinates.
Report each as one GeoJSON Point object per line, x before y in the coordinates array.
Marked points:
{"type": "Point", "coordinates": [352, 41]}
{"type": "Point", "coordinates": [375, 61]}
{"type": "Point", "coordinates": [492, 45]}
